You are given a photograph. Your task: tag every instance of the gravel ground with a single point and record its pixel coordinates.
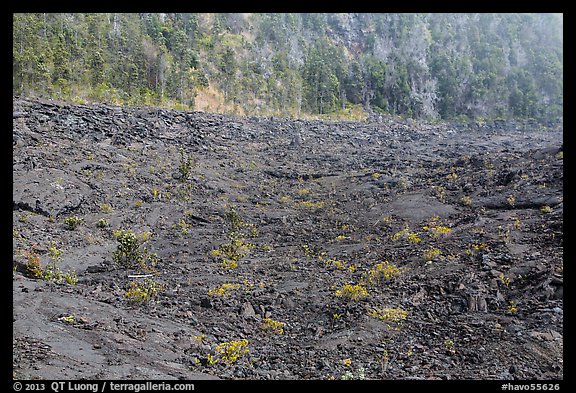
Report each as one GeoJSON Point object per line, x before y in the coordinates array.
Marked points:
{"type": "Point", "coordinates": [158, 244]}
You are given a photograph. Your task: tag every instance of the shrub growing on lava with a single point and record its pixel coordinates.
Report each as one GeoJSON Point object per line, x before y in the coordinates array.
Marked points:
{"type": "Point", "coordinates": [129, 254]}
{"type": "Point", "coordinates": [351, 292]}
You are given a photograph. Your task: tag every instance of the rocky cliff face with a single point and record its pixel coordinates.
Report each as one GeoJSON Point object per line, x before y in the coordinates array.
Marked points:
{"type": "Point", "coordinates": [405, 249]}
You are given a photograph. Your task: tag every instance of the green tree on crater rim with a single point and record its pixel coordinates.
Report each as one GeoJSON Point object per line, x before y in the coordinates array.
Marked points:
{"type": "Point", "coordinates": [449, 66]}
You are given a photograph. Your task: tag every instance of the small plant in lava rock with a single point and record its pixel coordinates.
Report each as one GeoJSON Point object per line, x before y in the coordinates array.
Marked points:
{"type": "Point", "coordinates": [182, 226]}
{"type": "Point", "coordinates": [474, 248]}
{"type": "Point", "coordinates": [102, 223]}
{"type": "Point", "coordinates": [128, 252]}
{"type": "Point", "coordinates": [233, 219]}
{"type": "Point", "coordinates": [349, 375]}
{"type": "Point", "coordinates": [53, 273]}
{"type": "Point", "coordinates": [431, 253]}
{"type": "Point", "coordinates": [230, 253]}
{"type": "Point", "coordinates": [440, 193]}
{"type": "Point", "coordinates": [453, 176]}
{"type": "Point", "coordinates": [33, 266]}
{"type": "Point", "coordinates": [505, 280]}
{"type": "Point", "coordinates": [270, 325]}
{"type": "Point", "coordinates": [185, 167]}
{"type": "Point", "coordinates": [237, 224]}
{"type": "Point", "coordinates": [223, 290]}
{"type": "Point", "coordinates": [392, 315]}
{"type": "Point", "coordinates": [435, 229]}
{"type": "Point", "coordinates": [105, 208]}
{"type": "Point", "coordinates": [139, 292]}
{"type": "Point", "coordinates": [466, 200]}
{"type": "Point", "coordinates": [229, 352]}
{"type": "Point", "coordinates": [383, 270]}
{"type": "Point", "coordinates": [449, 346]}
{"type": "Point", "coordinates": [351, 292]}
{"type": "Point", "coordinates": [405, 233]}
{"type": "Point", "coordinates": [337, 263]}
{"type": "Point", "coordinates": [512, 307]}
{"type": "Point", "coordinates": [71, 223]}
{"type": "Point", "coordinates": [69, 319]}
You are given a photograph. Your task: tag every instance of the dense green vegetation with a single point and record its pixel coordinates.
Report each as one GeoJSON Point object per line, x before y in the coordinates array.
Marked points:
{"type": "Point", "coordinates": [449, 66]}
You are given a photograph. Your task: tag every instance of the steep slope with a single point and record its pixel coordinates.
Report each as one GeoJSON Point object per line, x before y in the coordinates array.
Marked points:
{"type": "Point", "coordinates": [418, 65]}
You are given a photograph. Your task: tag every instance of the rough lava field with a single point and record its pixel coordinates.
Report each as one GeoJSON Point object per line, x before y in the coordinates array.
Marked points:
{"type": "Point", "coordinates": [164, 244]}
